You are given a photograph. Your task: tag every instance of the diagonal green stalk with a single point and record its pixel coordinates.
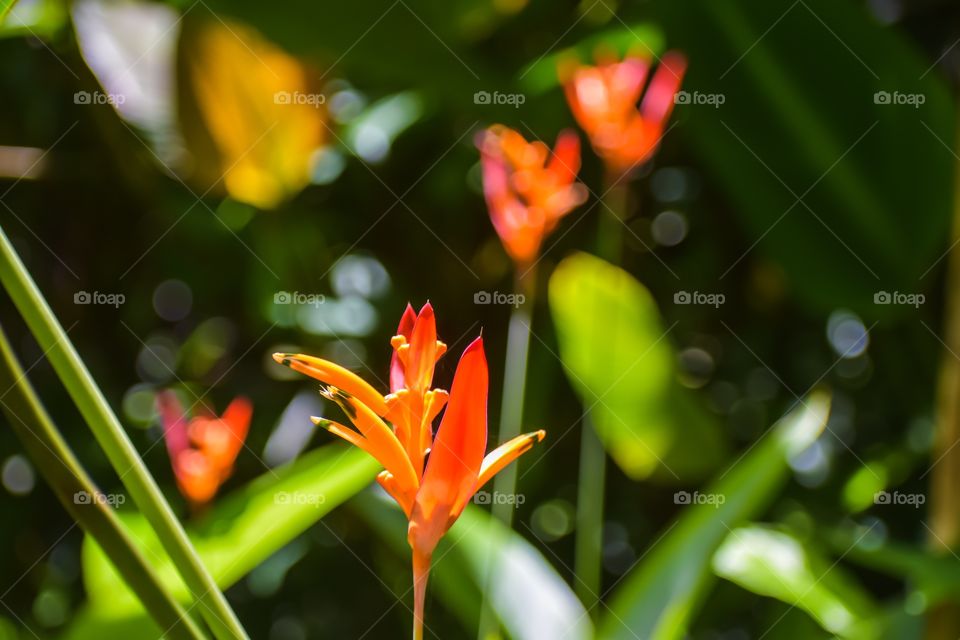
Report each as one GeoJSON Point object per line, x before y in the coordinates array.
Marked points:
{"type": "Point", "coordinates": [591, 483]}
{"type": "Point", "coordinates": [113, 439]}
{"type": "Point", "coordinates": [63, 472]}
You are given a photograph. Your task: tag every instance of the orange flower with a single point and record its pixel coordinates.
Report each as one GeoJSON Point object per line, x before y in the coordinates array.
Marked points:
{"type": "Point", "coordinates": [604, 99]}
{"type": "Point", "coordinates": [527, 188]}
{"type": "Point", "coordinates": [434, 493]}
{"type": "Point", "coordinates": [203, 449]}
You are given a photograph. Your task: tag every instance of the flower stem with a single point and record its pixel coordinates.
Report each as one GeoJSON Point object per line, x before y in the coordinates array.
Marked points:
{"type": "Point", "coordinates": [944, 528]}
{"type": "Point", "coordinates": [421, 572]}
{"type": "Point", "coordinates": [588, 546]}
{"type": "Point", "coordinates": [511, 419]}
{"type": "Point", "coordinates": [60, 468]}
{"type": "Point", "coordinates": [514, 387]}
{"type": "Point", "coordinates": [113, 439]}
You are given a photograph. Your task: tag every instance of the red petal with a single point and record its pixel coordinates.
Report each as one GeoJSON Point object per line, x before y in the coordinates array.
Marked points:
{"type": "Point", "coordinates": [407, 320]}
{"type": "Point", "coordinates": [457, 453]}
{"type": "Point", "coordinates": [423, 351]}
{"type": "Point", "coordinates": [659, 98]}
{"type": "Point", "coordinates": [174, 423]}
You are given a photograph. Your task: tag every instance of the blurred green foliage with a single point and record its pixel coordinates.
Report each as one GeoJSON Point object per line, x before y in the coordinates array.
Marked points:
{"type": "Point", "coordinates": [800, 198]}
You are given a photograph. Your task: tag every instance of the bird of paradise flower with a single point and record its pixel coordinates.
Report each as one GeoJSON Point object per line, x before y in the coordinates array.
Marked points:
{"type": "Point", "coordinates": [431, 476]}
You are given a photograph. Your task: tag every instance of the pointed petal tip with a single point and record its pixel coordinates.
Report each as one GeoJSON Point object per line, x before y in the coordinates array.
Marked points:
{"type": "Point", "coordinates": [282, 358]}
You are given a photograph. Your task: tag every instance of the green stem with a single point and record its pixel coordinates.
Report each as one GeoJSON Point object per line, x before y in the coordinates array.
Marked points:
{"type": "Point", "coordinates": [115, 443]}
{"type": "Point", "coordinates": [588, 546]}
{"type": "Point", "coordinates": [514, 386]}
{"type": "Point", "coordinates": [944, 620]}
{"type": "Point", "coordinates": [63, 472]}
{"type": "Point", "coordinates": [511, 419]}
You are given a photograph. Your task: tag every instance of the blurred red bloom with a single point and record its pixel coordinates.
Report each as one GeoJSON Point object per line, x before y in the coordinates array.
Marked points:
{"type": "Point", "coordinates": [604, 98]}
{"type": "Point", "coordinates": [433, 491]}
{"type": "Point", "coordinates": [203, 449]}
{"type": "Point", "coordinates": [528, 188]}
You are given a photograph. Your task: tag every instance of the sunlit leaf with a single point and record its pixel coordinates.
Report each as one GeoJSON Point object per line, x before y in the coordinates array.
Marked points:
{"type": "Point", "coordinates": [776, 564]}
{"type": "Point", "coordinates": [659, 598]}
{"type": "Point", "coordinates": [619, 359]}
{"type": "Point", "coordinates": [528, 596]}
{"type": "Point", "coordinates": [242, 529]}
{"type": "Point", "coordinates": [252, 115]}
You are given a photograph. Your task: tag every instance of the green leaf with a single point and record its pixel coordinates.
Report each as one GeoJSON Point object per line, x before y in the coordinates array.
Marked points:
{"type": "Point", "coordinates": [861, 167]}
{"type": "Point", "coordinates": [932, 578]}
{"type": "Point", "coordinates": [242, 529]}
{"type": "Point", "coordinates": [529, 598]}
{"type": "Point", "coordinates": [658, 599]}
{"type": "Point", "coordinates": [775, 563]}
{"type": "Point", "coordinates": [618, 357]}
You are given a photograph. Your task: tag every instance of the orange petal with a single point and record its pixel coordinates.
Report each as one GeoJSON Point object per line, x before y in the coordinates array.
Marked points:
{"type": "Point", "coordinates": [382, 441]}
{"type": "Point", "coordinates": [335, 375]}
{"type": "Point", "coordinates": [506, 453]}
{"type": "Point", "coordinates": [237, 418]}
{"type": "Point", "coordinates": [196, 477]}
{"type": "Point", "coordinates": [457, 453]}
{"type": "Point", "coordinates": [422, 356]}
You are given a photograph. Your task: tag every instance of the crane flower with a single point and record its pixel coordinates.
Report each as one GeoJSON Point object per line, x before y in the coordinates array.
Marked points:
{"type": "Point", "coordinates": [528, 188]}
{"type": "Point", "coordinates": [603, 99]}
{"type": "Point", "coordinates": [432, 476]}
{"type": "Point", "coordinates": [203, 449]}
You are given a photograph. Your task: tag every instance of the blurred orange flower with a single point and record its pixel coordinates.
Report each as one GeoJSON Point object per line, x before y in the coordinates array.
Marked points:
{"type": "Point", "coordinates": [203, 449]}
{"type": "Point", "coordinates": [434, 493]}
{"type": "Point", "coordinates": [528, 188]}
{"type": "Point", "coordinates": [604, 100]}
